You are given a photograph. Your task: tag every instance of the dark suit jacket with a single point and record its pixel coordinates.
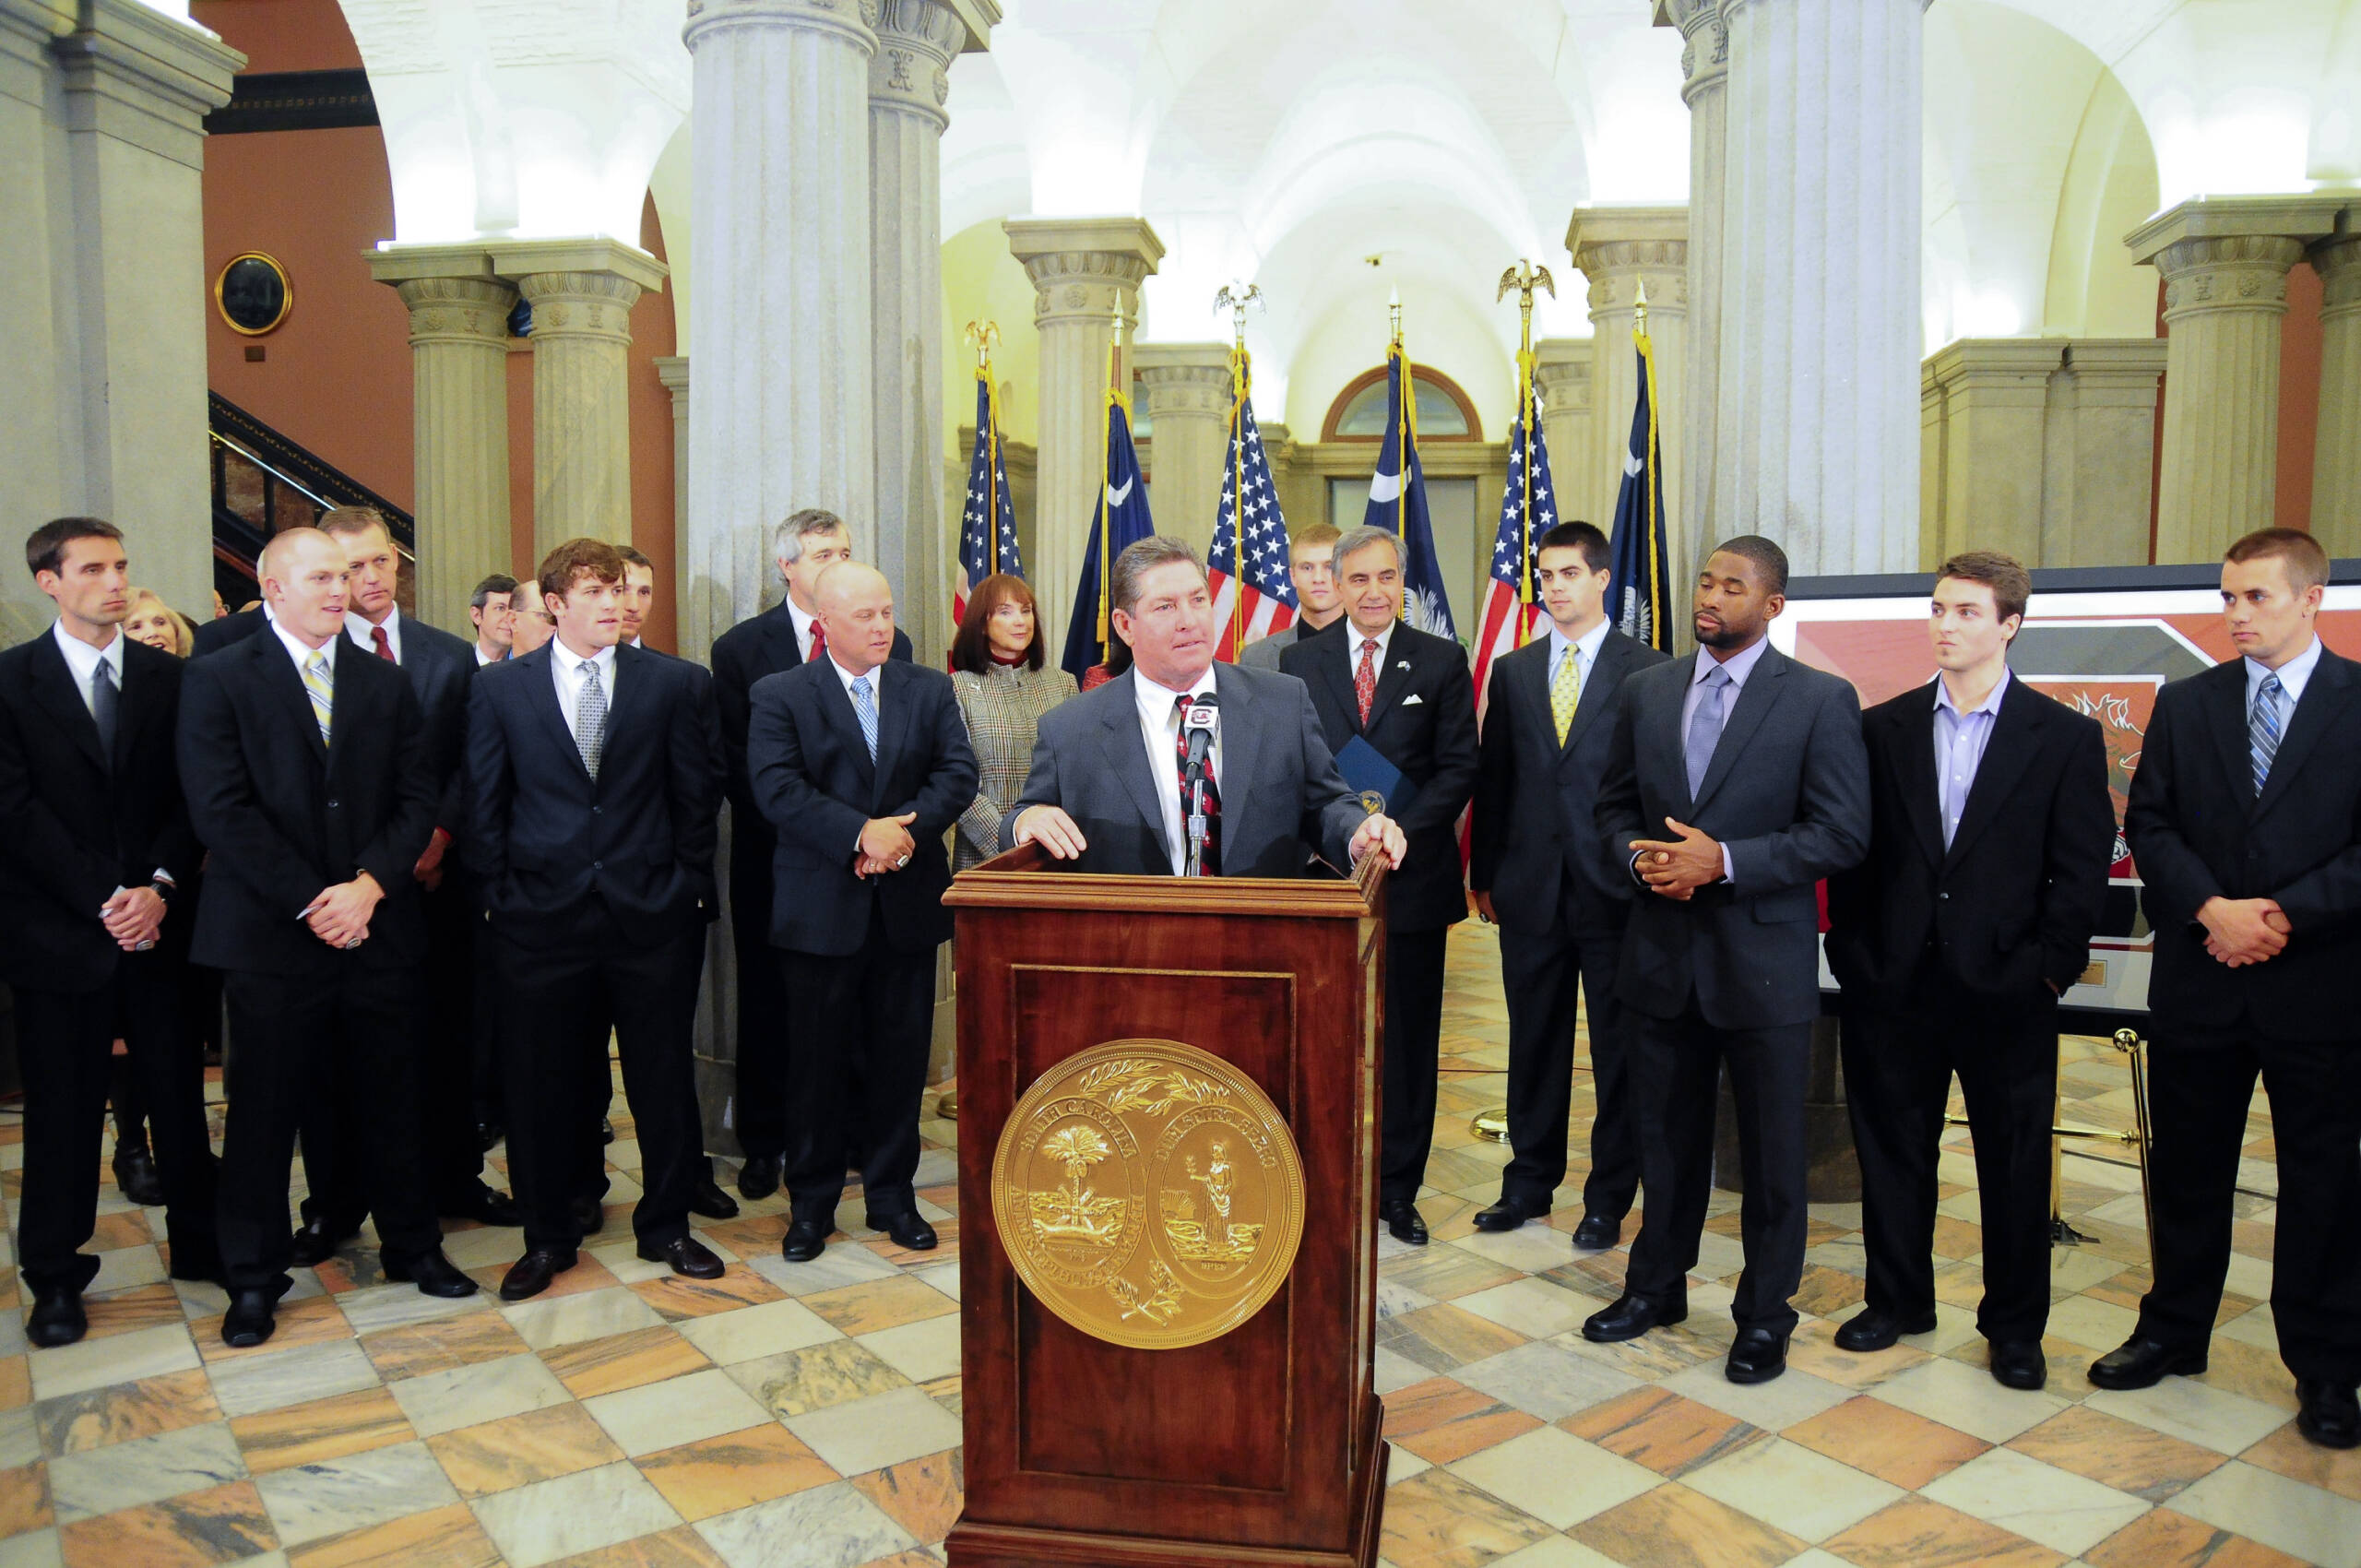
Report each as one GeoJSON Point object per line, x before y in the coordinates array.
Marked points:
{"type": "Point", "coordinates": [818, 786]}
{"type": "Point", "coordinates": [1281, 795]}
{"type": "Point", "coordinates": [759, 646]}
{"type": "Point", "coordinates": [2015, 900]}
{"type": "Point", "coordinates": [2198, 829]}
{"type": "Point", "coordinates": [1787, 791]}
{"type": "Point", "coordinates": [440, 667]}
{"type": "Point", "coordinates": [1423, 721]}
{"type": "Point", "coordinates": [286, 816]}
{"type": "Point", "coordinates": [1536, 831]}
{"type": "Point", "coordinates": [81, 824]}
{"type": "Point", "coordinates": [226, 631]}
{"type": "Point", "coordinates": [544, 836]}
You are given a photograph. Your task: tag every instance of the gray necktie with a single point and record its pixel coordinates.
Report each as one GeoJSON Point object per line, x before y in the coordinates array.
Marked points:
{"type": "Point", "coordinates": [106, 707]}
{"type": "Point", "coordinates": [1705, 727]}
{"type": "Point", "coordinates": [590, 719]}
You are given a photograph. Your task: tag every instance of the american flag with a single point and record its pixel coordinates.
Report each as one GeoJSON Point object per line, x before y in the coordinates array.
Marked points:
{"type": "Point", "coordinates": [1512, 602]}
{"type": "Point", "coordinates": [989, 519]}
{"type": "Point", "coordinates": [1252, 593]}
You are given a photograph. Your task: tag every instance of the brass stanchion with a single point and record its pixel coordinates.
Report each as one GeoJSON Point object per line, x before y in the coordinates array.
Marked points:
{"type": "Point", "coordinates": [1492, 1126]}
{"type": "Point", "coordinates": [947, 1105]}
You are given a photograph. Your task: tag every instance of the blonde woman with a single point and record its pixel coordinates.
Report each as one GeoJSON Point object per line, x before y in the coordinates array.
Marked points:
{"type": "Point", "coordinates": [157, 624]}
{"type": "Point", "coordinates": [996, 664]}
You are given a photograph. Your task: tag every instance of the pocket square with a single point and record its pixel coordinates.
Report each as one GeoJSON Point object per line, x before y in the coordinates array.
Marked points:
{"type": "Point", "coordinates": [1412, 700]}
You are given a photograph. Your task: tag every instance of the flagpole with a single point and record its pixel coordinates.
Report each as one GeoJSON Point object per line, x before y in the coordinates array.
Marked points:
{"type": "Point", "coordinates": [1401, 369]}
{"type": "Point", "coordinates": [1242, 376]}
{"type": "Point", "coordinates": [1106, 472]}
{"type": "Point", "coordinates": [1646, 347]}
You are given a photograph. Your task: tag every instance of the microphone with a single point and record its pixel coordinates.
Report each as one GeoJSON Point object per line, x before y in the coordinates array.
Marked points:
{"type": "Point", "coordinates": [1199, 721]}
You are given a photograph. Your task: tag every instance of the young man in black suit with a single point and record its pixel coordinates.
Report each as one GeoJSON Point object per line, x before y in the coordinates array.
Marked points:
{"type": "Point", "coordinates": [1991, 832]}
{"type": "Point", "coordinates": [861, 763]}
{"type": "Point", "coordinates": [595, 777]}
{"type": "Point", "coordinates": [1559, 891]}
{"type": "Point", "coordinates": [97, 846]}
{"type": "Point", "coordinates": [310, 780]}
{"type": "Point", "coordinates": [2245, 824]}
{"type": "Point", "coordinates": [1736, 782]}
{"type": "Point", "coordinates": [1407, 695]}
{"type": "Point", "coordinates": [780, 638]}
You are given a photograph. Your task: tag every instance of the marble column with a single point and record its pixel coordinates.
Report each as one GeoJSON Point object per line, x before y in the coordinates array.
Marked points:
{"type": "Point", "coordinates": [1086, 272]}
{"type": "Point", "coordinates": [2336, 455]}
{"type": "Point", "coordinates": [458, 355]}
{"type": "Point", "coordinates": [908, 85]}
{"type": "Point", "coordinates": [1994, 394]}
{"type": "Point", "coordinates": [1705, 66]}
{"type": "Point", "coordinates": [1622, 250]}
{"type": "Point", "coordinates": [2224, 264]}
{"type": "Point", "coordinates": [2101, 458]}
{"type": "Point", "coordinates": [581, 292]}
{"type": "Point", "coordinates": [1187, 389]}
{"type": "Point", "coordinates": [1561, 375]}
{"type": "Point", "coordinates": [779, 154]}
{"type": "Point", "coordinates": [672, 372]}
{"type": "Point", "coordinates": [1816, 419]}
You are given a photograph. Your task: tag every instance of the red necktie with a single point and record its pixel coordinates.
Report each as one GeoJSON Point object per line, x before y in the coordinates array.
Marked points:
{"type": "Point", "coordinates": [819, 639]}
{"type": "Point", "coordinates": [1365, 678]}
{"type": "Point", "coordinates": [385, 647]}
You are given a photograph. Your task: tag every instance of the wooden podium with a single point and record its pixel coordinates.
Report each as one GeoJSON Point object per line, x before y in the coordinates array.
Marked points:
{"type": "Point", "coordinates": [1259, 1447]}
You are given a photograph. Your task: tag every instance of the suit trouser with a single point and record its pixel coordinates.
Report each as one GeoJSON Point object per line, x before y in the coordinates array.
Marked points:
{"type": "Point", "coordinates": [568, 997]}
{"type": "Point", "coordinates": [1677, 1066]}
{"type": "Point", "coordinates": [858, 1071]}
{"type": "Point", "coordinates": [763, 1045]}
{"type": "Point", "coordinates": [1538, 971]}
{"type": "Point", "coordinates": [1898, 1068]}
{"type": "Point", "coordinates": [351, 1034]}
{"type": "Point", "coordinates": [2199, 1091]}
{"type": "Point", "coordinates": [1414, 962]}
{"type": "Point", "coordinates": [65, 1047]}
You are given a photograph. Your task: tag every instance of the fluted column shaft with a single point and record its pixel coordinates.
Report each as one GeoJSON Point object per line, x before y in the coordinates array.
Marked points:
{"type": "Point", "coordinates": [1704, 65]}
{"type": "Point", "coordinates": [2336, 456]}
{"type": "Point", "coordinates": [1561, 375]}
{"type": "Point", "coordinates": [785, 414]}
{"type": "Point", "coordinates": [1816, 426]}
{"type": "Point", "coordinates": [1622, 251]}
{"type": "Point", "coordinates": [908, 85]}
{"type": "Point", "coordinates": [1086, 274]}
{"type": "Point", "coordinates": [672, 372]}
{"type": "Point", "coordinates": [1187, 388]}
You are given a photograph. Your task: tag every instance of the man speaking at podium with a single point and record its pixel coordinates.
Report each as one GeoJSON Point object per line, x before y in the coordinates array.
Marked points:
{"type": "Point", "coordinates": [1111, 767]}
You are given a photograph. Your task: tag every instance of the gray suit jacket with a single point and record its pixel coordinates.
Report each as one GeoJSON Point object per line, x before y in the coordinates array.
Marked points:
{"type": "Point", "coordinates": [1787, 791]}
{"type": "Point", "coordinates": [1282, 797]}
{"type": "Point", "coordinates": [1263, 653]}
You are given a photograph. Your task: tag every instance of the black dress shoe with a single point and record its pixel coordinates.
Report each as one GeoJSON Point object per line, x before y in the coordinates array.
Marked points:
{"type": "Point", "coordinates": [136, 1177]}
{"type": "Point", "coordinates": [686, 1255]}
{"type": "Point", "coordinates": [434, 1274]}
{"type": "Point", "coordinates": [249, 1320]}
{"type": "Point", "coordinates": [2328, 1412]}
{"type": "Point", "coordinates": [805, 1240]}
{"type": "Point", "coordinates": [1629, 1317]}
{"type": "Point", "coordinates": [2143, 1363]}
{"type": "Point", "coordinates": [57, 1318]}
{"type": "Point", "coordinates": [1598, 1232]}
{"type": "Point", "coordinates": [1404, 1221]}
{"type": "Point", "coordinates": [707, 1199]}
{"type": "Point", "coordinates": [907, 1230]}
{"type": "Point", "coordinates": [2019, 1363]}
{"type": "Point", "coordinates": [1874, 1330]}
{"type": "Point", "coordinates": [530, 1274]}
{"type": "Point", "coordinates": [488, 1206]}
{"type": "Point", "coordinates": [1757, 1355]}
{"type": "Point", "coordinates": [606, 1130]}
{"type": "Point", "coordinates": [1510, 1213]}
{"type": "Point", "coordinates": [758, 1177]}
{"type": "Point", "coordinates": [589, 1215]}
{"type": "Point", "coordinates": [315, 1243]}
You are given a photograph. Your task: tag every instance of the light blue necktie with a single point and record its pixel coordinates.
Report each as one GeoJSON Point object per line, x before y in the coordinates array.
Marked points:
{"type": "Point", "coordinates": [864, 702]}
{"type": "Point", "coordinates": [1705, 728]}
{"type": "Point", "coordinates": [2262, 729]}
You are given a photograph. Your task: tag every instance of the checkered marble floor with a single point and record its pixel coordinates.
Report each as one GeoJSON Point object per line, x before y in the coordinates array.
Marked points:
{"type": "Point", "coordinates": [801, 1416]}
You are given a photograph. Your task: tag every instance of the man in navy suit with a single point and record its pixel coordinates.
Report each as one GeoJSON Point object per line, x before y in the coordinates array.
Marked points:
{"type": "Point", "coordinates": [594, 776]}
{"type": "Point", "coordinates": [780, 638]}
{"type": "Point", "coordinates": [861, 763]}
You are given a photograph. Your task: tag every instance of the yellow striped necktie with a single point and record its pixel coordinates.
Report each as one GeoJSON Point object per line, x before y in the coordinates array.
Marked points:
{"type": "Point", "coordinates": [1566, 690]}
{"type": "Point", "coordinates": [319, 682]}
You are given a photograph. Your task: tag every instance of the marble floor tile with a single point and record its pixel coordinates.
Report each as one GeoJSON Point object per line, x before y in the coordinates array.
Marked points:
{"type": "Point", "coordinates": [568, 1320]}
{"type": "Point", "coordinates": [1556, 1551]}
{"type": "Point", "coordinates": [126, 1312]}
{"type": "Point", "coordinates": [798, 1383]}
{"type": "Point", "coordinates": [2089, 1322]}
{"type": "Point", "coordinates": [338, 1495]}
{"type": "Point", "coordinates": [1535, 1308]}
{"type": "Point", "coordinates": [142, 1470]}
{"type": "Point", "coordinates": [466, 1396]}
{"type": "Point", "coordinates": [1437, 1520]}
{"type": "Point", "coordinates": [37, 1548]}
{"type": "Point", "coordinates": [1443, 1271]}
{"type": "Point", "coordinates": [516, 1451]}
{"type": "Point", "coordinates": [680, 1547]}
{"type": "Point", "coordinates": [921, 1351]}
{"type": "Point", "coordinates": [398, 1306]}
{"type": "Point", "coordinates": [2063, 1511]}
{"type": "Point", "coordinates": [1545, 1379]}
{"type": "Point", "coordinates": [884, 1428]}
{"type": "Point", "coordinates": [922, 1495]}
{"type": "Point", "coordinates": [825, 1526]}
{"type": "Point", "coordinates": [24, 1498]}
{"type": "Point", "coordinates": [2194, 1413]}
{"type": "Point", "coordinates": [125, 1358]}
{"type": "Point", "coordinates": [1915, 1533]}
{"type": "Point", "coordinates": [1891, 1443]}
{"type": "Point", "coordinates": [675, 1297]}
{"type": "Point", "coordinates": [762, 1330]}
{"type": "Point", "coordinates": [1966, 1399]}
{"type": "Point", "coordinates": [682, 1409]}
{"type": "Point", "coordinates": [886, 1303]}
{"type": "Point", "coordinates": [445, 1537]}
{"type": "Point", "coordinates": [1556, 1476]}
{"type": "Point", "coordinates": [301, 1373]}
{"type": "Point", "coordinates": [1785, 1400]}
{"type": "Point", "coordinates": [124, 1267]}
{"type": "Point", "coordinates": [1674, 1526]}
{"type": "Point", "coordinates": [549, 1520]}
{"type": "Point", "coordinates": [2123, 1455]}
{"type": "Point", "coordinates": [1445, 1336]}
{"type": "Point", "coordinates": [197, 1529]}
{"type": "Point", "coordinates": [1660, 1430]}
{"type": "Point", "coordinates": [320, 1428]}
{"type": "Point", "coordinates": [97, 1417]}
{"type": "Point", "coordinates": [625, 1360]}
{"type": "Point", "coordinates": [1530, 1249]}
{"type": "Point", "coordinates": [843, 1263]}
{"type": "Point", "coordinates": [1392, 1372]}
{"type": "Point", "coordinates": [314, 1320]}
{"type": "Point", "coordinates": [720, 1475]}
{"type": "Point", "coordinates": [1797, 1490]}
{"type": "Point", "coordinates": [2162, 1539]}
{"type": "Point", "coordinates": [419, 1349]}
{"type": "Point", "coordinates": [2305, 1521]}
{"type": "Point", "coordinates": [2289, 1452]}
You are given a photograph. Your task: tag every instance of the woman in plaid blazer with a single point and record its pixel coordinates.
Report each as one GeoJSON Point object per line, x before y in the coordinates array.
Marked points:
{"type": "Point", "coordinates": [996, 663]}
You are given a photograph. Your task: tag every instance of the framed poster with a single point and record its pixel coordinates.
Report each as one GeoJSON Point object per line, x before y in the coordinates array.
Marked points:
{"type": "Point", "coordinates": [2099, 640]}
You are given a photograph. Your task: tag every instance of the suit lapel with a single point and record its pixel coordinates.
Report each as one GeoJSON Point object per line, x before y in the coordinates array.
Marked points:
{"type": "Point", "coordinates": [2016, 733]}
{"type": "Point", "coordinates": [1664, 734]}
{"type": "Point", "coordinates": [1122, 739]}
{"type": "Point", "coordinates": [286, 681]}
{"type": "Point", "coordinates": [138, 702]}
{"type": "Point", "coordinates": [54, 688]}
{"type": "Point", "coordinates": [1754, 700]}
{"type": "Point", "coordinates": [541, 694]}
{"type": "Point", "coordinates": [779, 639]}
{"type": "Point", "coordinates": [1395, 668]}
{"type": "Point", "coordinates": [1915, 764]}
{"type": "Point", "coordinates": [1336, 669]}
{"type": "Point", "coordinates": [837, 702]}
{"type": "Point", "coordinates": [1241, 752]}
{"type": "Point", "coordinates": [2226, 709]}
{"type": "Point", "coordinates": [2324, 700]}
{"type": "Point", "coordinates": [893, 715]}
{"type": "Point", "coordinates": [1598, 690]}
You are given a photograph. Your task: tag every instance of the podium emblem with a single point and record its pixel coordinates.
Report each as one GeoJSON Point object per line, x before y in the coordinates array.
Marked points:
{"type": "Point", "coordinates": [1148, 1193]}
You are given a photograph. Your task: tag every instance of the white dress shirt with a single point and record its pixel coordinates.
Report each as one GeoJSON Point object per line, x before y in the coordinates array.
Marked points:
{"type": "Point", "coordinates": [568, 667]}
{"type": "Point", "coordinates": [301, 652]}
{"type": "Point", "coordinates": [803, 622]}
{"type": "Point", "coordinates": [1160, 733]}
{"type": "Point", "coordinates": [483, 659]}
{"type": "Point", "coordinates": [876, 693]}
{"type": "Point", "coordinates": [359, 627]}
{"type": "Point", "coordinates": [2292, 676]}
{"type": "Point", "coordinates": [1960, 740]}
{"type": "Point", "coordinates": [82, 661]}
{"type": "Point", "coordinates": [1354, 641]}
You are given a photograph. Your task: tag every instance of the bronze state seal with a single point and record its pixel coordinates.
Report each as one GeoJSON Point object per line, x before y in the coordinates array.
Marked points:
{"type": "Point", "coordinates": [1149, 1193]}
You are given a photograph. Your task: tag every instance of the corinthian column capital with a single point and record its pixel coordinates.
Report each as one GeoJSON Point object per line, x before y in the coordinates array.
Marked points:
{"type": "Point", "coordinates": [911, 70]}
{"type": "Point", "coordinates": [1084, 268]}
{"type": "Point", "coordinates": [852, 21]}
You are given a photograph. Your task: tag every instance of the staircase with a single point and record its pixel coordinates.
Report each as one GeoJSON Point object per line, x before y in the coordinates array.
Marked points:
{"type": "Point", "coordinates": [263, 483]}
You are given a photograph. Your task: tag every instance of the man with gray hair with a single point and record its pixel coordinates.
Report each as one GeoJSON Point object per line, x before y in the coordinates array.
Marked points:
{"type": "Point", "coordinates": [780, 638]}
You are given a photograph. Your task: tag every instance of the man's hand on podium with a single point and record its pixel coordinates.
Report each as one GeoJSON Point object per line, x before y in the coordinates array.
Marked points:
{"type": "Point", "coordinates": [1052, 828]}
{"type": "Point", "coordinates": [1379, 832]}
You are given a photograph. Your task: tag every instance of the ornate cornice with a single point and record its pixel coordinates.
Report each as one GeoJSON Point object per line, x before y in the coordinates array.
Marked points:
{"type": "Point", "coordinates": [2338, 262]}
{"type": "Point", "coordinates": [1085, 267]}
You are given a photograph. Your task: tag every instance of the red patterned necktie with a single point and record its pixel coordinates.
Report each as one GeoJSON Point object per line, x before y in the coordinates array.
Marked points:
{"type": "Point", "coordinates": [819, 640]}
{"type": "Point", "coordinates": [1365, 678]}
{"type": "Point", "coordinates": [1212, 861]}
{"type": "Point", "coordinates": [384, 645]}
